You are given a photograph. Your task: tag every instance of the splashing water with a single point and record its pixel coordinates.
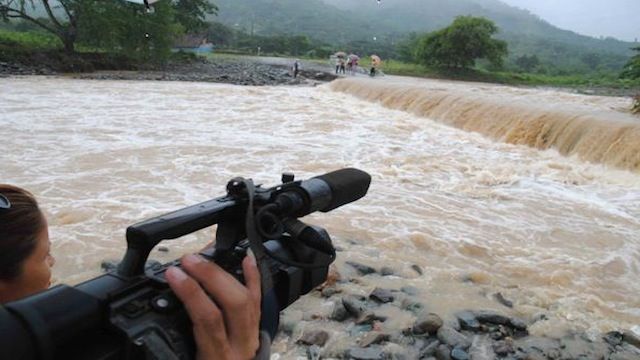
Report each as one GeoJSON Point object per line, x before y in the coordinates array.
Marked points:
{"type": "Point", "coordinates": [551, 233]}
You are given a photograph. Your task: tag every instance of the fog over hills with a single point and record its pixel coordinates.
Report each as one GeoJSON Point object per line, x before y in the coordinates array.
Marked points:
{"type": "Point", "coordinates": [382, 26]}
{"type": "Point", "coordinates": [616, 18]}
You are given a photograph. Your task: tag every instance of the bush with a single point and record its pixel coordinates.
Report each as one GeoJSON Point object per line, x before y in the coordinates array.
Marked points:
{"type": "Point", "coordinates": [460, 44]}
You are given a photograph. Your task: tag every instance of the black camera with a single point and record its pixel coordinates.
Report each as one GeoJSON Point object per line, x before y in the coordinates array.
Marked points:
{"type": "Point", "coordinates": [131, 313]}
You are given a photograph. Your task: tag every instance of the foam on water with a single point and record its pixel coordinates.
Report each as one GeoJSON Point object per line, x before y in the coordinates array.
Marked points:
{"type": "Point", "coordinates": [551, 233]}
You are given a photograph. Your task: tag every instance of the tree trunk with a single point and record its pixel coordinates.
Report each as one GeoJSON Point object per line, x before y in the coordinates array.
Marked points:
{"type": "Point", "coordinates": [68, 40]}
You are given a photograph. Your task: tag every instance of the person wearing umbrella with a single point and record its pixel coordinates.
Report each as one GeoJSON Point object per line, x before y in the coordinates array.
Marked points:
{"type": "Point", "coordinates": [352, 64]}
{"type": "Point", "coordinates": [340, 64]}
{"type": "Point", "coordinates": [375, 62]}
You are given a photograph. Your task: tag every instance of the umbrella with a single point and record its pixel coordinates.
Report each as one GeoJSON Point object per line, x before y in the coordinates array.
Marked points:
{"type": "Point", "coordinates": [340, 54]}
{"type": "Point", "coordinates": [354, 57]}
{"type": "Point", "coordinates": [376, 59]}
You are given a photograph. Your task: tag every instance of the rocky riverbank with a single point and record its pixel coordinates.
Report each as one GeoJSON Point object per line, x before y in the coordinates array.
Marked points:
{"type": "Point", "coordinates": [240, 71]}
{"type": "Point", "coordinates": [340, 321]}
{"type": "Point", "coordinates": [393, 323]}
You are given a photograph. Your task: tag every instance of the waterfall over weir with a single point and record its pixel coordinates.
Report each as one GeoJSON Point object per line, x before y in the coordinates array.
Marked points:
{"type": "Point", "coordinates": [592, 129]}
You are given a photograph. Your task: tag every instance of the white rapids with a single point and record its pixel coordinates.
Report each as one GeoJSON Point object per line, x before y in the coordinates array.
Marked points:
{"type": "Point", "coordinates": [551, 233]}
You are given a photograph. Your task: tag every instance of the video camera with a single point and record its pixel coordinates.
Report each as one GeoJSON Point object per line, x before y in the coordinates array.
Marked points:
{"type": "Point", "coordinates": [131, 313]}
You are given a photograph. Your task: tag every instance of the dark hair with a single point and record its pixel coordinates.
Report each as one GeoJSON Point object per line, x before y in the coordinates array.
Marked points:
{"type": "Point", "coordinates": [19, 229]}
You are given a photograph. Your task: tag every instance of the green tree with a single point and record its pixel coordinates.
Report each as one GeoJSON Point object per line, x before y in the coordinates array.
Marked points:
{"type": "Point", "coordinates": [528, 63]}
{"type": "Point", "coordinates": [63, 24]}
{"type": "Point", "coordinates": [191, 14]}
{"type": "Point", "coordinates": [632, 69]}
{"type": "Point", "coordinates": [460, 44]}
{"type": "Point", "coordinates": [592, 60]}
{"type": "Point", "coordinates": [116, 24]}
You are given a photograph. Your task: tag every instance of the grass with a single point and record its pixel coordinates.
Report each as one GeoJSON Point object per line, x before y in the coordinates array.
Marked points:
{"type": "Point", "coordinates": [29, 40]}
{"type": "Point", "coordinates": [577, 81]}
{"type": "Point", "coordinates": [20, 44]}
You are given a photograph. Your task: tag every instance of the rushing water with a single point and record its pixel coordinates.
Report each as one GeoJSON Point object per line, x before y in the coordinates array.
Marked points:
{"type": "Point", "coordinates": [552, 233]}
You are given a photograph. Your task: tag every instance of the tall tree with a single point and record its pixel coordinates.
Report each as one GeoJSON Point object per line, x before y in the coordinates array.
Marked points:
{"type": "Point", "coordinates": [63, 24]}
{"type": "Point", "coordinates": [632, 69]}
{"type": "Point", "coordinates": [70, 20]}
{"type": "Point", "coordinates": [460, 44]}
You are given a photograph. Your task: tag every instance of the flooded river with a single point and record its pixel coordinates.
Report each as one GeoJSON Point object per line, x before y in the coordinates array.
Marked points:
{"type": "Point", "coordinates": [552, 233]}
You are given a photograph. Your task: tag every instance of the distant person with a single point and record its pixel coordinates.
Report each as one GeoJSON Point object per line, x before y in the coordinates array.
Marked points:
{"type": "Point", "coordinates": [222, 329]}
{"type": "Point", "coordinates": [342, 66]}
{"type": "Point", "coordinates": [350, 66]}
{"type": "Point", "coordinates": [296, 68]}
{"type": "Point", "coordinates": [338, 61]}
{"type": "Point", "coordinates": [375, 63]}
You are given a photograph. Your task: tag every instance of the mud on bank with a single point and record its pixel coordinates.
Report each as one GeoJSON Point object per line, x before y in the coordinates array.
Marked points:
{"type": "Point", "coordinates": [241, 71]}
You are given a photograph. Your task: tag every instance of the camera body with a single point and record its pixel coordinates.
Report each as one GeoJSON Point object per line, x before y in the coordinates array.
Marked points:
{"type": "Point", "coordinates": [131, 313]}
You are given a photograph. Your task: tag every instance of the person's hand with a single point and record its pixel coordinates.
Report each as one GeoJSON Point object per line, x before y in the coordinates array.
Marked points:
{"type": "Point", "coordinates": [226, 324]}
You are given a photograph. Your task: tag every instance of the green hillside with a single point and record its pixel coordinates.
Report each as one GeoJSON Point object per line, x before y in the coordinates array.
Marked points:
{"type": "Point", "coordinates": [353, 24]}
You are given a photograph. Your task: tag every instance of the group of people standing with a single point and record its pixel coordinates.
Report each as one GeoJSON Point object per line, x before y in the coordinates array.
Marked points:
{"type": "Point", "coordinates": [349, 64]}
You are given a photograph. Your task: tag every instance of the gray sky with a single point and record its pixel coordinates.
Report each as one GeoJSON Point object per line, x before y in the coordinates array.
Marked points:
{"type": "Point", "coordinates": [616, 18]}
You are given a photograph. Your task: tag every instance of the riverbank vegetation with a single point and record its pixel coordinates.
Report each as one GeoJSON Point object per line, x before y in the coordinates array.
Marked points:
{"type": "Point", "coordinates": [117, 27]}
{"type": "Point", "coordinates": [122, 35]}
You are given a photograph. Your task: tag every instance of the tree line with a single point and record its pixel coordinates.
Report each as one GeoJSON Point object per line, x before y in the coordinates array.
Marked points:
{"type": "Point", "coordinates": [115, 26]}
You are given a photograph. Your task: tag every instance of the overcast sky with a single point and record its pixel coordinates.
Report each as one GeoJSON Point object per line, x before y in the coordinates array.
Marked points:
{"type": "Point", "coordinates": [616, 18]}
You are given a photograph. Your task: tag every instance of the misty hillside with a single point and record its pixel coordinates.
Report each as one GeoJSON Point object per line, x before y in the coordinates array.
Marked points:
{"type": "Point", "coordinates": [345, 22]}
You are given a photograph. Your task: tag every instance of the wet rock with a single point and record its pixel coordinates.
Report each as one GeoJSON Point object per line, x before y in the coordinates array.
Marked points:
{"type": "Point", "coordinates": [453, 323]}
{"type": "Point", "coordinates": [518, 324]}
{"type": "Point", "coordinates": [539, 347]}
{"type": "Point", "coordinates": [417, 269]}
{"type": "Point", "coordinates": [381, 295]}
{"type": "Point", "coordinates": [361, 268]}
{"type": "Point", "coordinates": [498, 332]}
{"type": "Point", "coordinates": [373, 338]}
{"type": "Point", "coordinates": [468, 321]}
{"type": "Point", "coordinates": [410, 290]}
{"type": "Point", "coordinates": [614, 338]}
{"type": "Point", "coordinates": [153, 265]}
{"type": "Point", "coordinates": [631, 338]}
{"type": "Point", "coordinates": [109, 265]}
{"type": "Point", "coordinates": [539, 317]}
{"type": "Point", "coordinates": [369, 318]}
{"type": "Point", "coordinates": [503, 348]}
{"type": "Point", "coordinates": [488, 316]}
{"type": "Point", "coordinates": [386, 271]}
{"type": "Point", "coordinates": [370, 353]}
{"type": "Point", "coordinates": [443, 352]}
{"type": "Point", "coordinates": [481, 348]}
{"type": "Point", "coordinates": [339, 313]}
{"type": "Point", "coordinates": [289, 320]}
{"type": "Point", "coordinates": [412, 305]}
{"type": "Point", "coordinates": [625, 352]}
{"type": "Point", "coordinates": [359, 329]}
{"type": "Point", "coordinates": [502, 300]}
{"type": "Point", "coordinates": [313, 352]}
{"type": "Point", "coordinates": [427, 324]}
{"type": "Point", "coordinates": [459, 354]}
{"type": "Point", "coordinates": [354, 306]}
{"type": "Point", "coordinates": [314, 337]}
{"type": "Point", "coordinates": [575, 346]}
{"type": "Point", "coordinates": [453, 338]}
{"type": "Point", "coordinates": [329, 291]}
{"type": "Point", "coordinates": [429, 349]}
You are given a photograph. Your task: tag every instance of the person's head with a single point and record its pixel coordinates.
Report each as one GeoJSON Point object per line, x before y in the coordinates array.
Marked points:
{"type": "Point", "coordinates": [25, 260]}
